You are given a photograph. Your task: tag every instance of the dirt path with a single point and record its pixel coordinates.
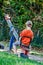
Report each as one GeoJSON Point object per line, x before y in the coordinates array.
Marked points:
{"type": "Point", "coordinates": [32, 57]}
{"type": "Point", "coordinates": [37, 58]}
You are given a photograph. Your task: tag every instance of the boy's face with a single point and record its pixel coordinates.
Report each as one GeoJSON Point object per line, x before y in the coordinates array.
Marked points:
{"type": "Point", "coordinates": [29, 25]}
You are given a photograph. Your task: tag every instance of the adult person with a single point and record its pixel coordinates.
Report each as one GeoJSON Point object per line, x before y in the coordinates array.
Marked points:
{"type": "Point", "coordinates": [14, 35]}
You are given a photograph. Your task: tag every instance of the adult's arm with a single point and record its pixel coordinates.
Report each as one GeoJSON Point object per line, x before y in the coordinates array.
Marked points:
{"type": "Point", "coordinates": [7, 18]}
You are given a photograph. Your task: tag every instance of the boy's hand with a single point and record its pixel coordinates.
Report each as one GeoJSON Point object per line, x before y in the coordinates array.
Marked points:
{"type": "Point", "coordinates": [7, 17]}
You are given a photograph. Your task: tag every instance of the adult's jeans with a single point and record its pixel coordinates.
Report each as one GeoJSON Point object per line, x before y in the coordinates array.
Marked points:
{"type": "Point", "coordinates": [12, 39]}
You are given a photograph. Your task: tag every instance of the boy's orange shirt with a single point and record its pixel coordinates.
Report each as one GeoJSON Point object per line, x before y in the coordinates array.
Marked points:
{"type": "Point", "coordinates": [27, 33]}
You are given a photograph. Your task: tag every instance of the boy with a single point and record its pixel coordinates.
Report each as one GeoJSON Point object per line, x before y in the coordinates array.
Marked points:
{"type": "Point", "coordinates": [26, 38]}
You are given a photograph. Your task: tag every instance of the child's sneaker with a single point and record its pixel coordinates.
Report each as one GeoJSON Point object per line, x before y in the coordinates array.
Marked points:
{"type": "Point", "coordinates": [23, 55]}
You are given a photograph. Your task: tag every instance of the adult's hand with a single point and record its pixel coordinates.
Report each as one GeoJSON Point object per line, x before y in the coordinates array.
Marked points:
{"type": "Point", "coordinates": [7, 17]}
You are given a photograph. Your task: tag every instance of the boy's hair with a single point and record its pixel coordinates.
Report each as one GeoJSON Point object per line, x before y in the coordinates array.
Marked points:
{"type": "Point", "coordinates": [28, 23]}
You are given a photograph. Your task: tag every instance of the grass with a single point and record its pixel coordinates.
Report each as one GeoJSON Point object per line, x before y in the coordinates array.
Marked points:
{"type": "Point", "coordinates": [11, 59]}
